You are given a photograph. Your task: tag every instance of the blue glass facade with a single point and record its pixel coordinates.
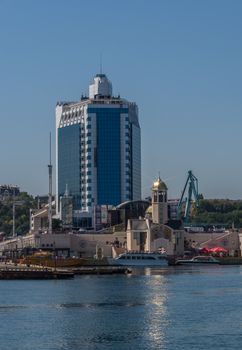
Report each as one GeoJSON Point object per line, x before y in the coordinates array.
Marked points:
{"type": "Point", "coordinates": [108, 154]}
{"type": "Point", "coordinates": [98, 151]}
{"type": "Point", "coordinates": [69, 162]}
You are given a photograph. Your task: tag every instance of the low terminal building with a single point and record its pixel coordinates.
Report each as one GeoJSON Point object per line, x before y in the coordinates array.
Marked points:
{"type": "Point", "coordinates": [63, 244]}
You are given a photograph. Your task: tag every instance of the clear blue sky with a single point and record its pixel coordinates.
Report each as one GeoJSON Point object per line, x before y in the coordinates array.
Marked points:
{"type": "Point", "coordinates": [181, 61]}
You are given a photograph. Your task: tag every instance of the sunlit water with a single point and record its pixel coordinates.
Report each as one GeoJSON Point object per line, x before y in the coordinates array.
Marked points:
{"type": "Point", "coordinates": [171, 308]}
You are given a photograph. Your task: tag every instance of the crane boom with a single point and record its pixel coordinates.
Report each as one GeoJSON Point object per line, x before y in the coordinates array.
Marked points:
{"type": "Point", "coordinates": [192, 185]}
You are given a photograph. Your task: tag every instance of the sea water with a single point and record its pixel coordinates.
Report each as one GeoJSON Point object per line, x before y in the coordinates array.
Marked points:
{"type": "Point", "coordinates": [172, 308]}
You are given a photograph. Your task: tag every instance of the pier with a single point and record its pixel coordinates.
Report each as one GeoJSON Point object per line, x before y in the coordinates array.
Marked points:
{"type": "Point", "coordinates": [20, 272]}
{"type": "Point", "coordinates": [101, 270]}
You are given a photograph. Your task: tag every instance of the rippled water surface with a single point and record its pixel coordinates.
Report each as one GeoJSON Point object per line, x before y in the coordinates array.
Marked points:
{"type": "Point", "coordinates": [172, 308]}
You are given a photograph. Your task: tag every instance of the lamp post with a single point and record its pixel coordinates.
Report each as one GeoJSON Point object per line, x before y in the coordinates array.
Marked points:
{"type": "Point", "coordinates": [18, 203]}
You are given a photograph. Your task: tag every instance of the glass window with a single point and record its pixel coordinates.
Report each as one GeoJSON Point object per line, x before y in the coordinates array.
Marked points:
{"type": "Point", "coordinates": [108, 154]}
{"type": "Point", "coordinates": [69, 162]}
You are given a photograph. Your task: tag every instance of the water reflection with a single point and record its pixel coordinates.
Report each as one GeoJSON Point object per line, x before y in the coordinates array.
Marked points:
{"type": "Point", "coordinates": [177, 270]}
{"type": "Point", "coordinates": [157, 315]}
{"type": "Point", "coordinates": [171, 309]}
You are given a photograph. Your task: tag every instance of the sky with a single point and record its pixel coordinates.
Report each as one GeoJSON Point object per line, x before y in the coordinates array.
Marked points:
{"type": "Point", "coordinates": [180, 61]}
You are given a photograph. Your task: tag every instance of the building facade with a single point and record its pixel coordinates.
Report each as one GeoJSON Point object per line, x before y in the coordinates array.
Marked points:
{"type": "Point", "coordinates": [98, 151]}
{"type": "Point", "coordinates": [7, 191]}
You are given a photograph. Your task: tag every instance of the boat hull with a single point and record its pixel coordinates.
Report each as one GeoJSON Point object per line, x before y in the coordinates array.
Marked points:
{"type": "Point", "coordinates": [140, 261]}
{"type": "Point", "coordinates": [148, 264]}
{"type": "Point", "coordinates": [198, 260]}
{"type": "Point", "coordinates": [196, 263]}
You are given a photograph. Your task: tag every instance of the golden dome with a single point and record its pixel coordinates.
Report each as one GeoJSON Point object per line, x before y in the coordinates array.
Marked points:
{"type": "Point", "coordinates": [159, 185]}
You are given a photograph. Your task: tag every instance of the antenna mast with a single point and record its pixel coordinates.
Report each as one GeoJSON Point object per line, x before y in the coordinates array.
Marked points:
{"type": "Point", "coordinates": [101, 64]}
{"type": "Point", "coordinates": [50, 193]}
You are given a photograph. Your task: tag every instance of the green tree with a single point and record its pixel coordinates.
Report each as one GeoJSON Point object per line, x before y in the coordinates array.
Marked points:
{"type": "Point", "coordinates": [22, 213]}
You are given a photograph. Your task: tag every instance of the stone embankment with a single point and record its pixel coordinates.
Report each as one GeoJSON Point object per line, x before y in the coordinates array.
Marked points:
{"type": "Point", "coordinates": [11, 271]}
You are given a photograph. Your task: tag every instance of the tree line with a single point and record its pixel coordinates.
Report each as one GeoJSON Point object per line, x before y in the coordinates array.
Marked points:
{"type": "Point", "coordinates": [218, 211]}
{"type": "Point", "coordinates": [22, 214]}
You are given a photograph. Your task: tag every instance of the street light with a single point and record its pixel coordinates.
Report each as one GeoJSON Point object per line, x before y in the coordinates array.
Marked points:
{"type": "Point", "coordinates": [14, 205]}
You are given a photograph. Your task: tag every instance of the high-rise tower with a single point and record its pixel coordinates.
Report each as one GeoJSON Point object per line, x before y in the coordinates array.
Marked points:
{"type": "Point", "coordinates": [98, 151]}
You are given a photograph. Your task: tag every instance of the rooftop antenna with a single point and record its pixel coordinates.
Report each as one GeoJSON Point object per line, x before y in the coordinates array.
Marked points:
{"type": "Point", "coordinates": [50, 193]}
{"type": "Point", "coordinates": [101, 64]}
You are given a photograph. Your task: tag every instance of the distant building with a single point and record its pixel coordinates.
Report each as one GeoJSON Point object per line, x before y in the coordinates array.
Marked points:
{"type": "Point", "coordinates": [144, 235]}
{"type": "Point", "coordinates": [42, 200]}
{"type": "Point", "coordinates": [9, 191]}
{"type": "Point", "coordinates": [150, 233]}
{"type": "Point", "coordinates": [39, 218]}
{"type": "Point", "coordinates": [132, 210]}
{"type": "Point", "coordinates": [173, 209]}
{"type": "Point", "coordinates": [98, 151]}
{"type": "Point", "coordinates": [66, 209]}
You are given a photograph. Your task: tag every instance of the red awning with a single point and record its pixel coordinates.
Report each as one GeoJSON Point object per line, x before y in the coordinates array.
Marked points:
{"type": "Point", "coordinates": [218, 250]}
{"type": "Point", "coordinates": [204, 250]}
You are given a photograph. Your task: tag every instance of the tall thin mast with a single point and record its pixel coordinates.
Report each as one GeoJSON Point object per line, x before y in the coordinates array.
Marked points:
{"type": "Point", "coordinates": [50, 193]}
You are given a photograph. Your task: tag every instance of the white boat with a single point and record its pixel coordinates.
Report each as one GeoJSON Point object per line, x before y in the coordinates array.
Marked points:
{"type": "Point", "coordinates": [140, 259]}
{"type": "Point", "coordinates": [201, 259]}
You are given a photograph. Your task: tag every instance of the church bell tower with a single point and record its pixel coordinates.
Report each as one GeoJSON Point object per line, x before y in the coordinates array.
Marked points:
{"type": "Point", "coordinates": [159, 202]}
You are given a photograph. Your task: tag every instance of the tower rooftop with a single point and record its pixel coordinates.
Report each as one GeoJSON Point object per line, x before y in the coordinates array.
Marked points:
{"type": "Point", "coordinates": [101, 87]}
{"type": "Point", "coordinates": [159, 185]}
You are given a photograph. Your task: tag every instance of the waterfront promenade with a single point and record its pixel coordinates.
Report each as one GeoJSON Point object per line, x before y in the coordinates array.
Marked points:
{"type": "Point", "coordinates": [171, 308]}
